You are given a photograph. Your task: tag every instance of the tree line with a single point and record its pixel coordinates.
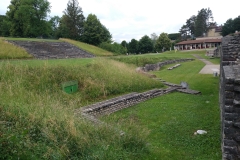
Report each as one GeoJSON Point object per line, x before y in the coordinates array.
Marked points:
{"type": "Point", "coordinates": [148, 44]}
{"type": "Point", "coordinates": [29, 18]}
{"type": "Point", "coordinates": [198, 25]}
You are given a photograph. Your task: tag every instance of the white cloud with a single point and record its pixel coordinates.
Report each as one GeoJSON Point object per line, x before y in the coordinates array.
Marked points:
{"type": "Point", "coordinates": [128, 19]}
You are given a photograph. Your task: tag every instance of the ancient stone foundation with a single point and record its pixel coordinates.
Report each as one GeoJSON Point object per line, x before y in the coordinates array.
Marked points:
{"type": "Point", "coordinates": [157, 66]}
{"type": "Point", "coordinates": [92, 112]}
{"type": "Point", "coordinates": [52, 50]}
{"type": "Point", "coordinates": [230, 97]}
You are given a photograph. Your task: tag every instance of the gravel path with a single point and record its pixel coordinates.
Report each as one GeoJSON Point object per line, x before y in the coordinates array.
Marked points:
{"type": "Point", "coordinates": [209, 68]}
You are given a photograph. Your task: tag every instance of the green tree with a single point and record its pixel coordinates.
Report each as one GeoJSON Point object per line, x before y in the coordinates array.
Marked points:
{"type": "Point", "coordinates": [145, 44]}
{"type": "Point", "coordinates": [115, 47]}
{"type": "Point", "coordinates": [184, 32]}
{"type": "Point", "coordinates": [202, 22]}
{"type": "Point", "coordinates": [154, 38]}
{"type": "Point", "coordinates": [54, 23]}
{"type": "Point", "coordinates": [133, 46]}
{"type": "Point", "coordinates": [231, 25]}
{"type": "Point", "coordinates": [174, 36]}
{"type": "Point", "coordinates": [72, 22]}
{"type": "Point", "coordinates": [4, 26]}
{"type": "Point", "coordinates": [94, 32]}
{"type": "Point", "coordinates": [163, 42]}
{"type": "Point", "coordinates": [28, 18]}
{"type": "Point", "coordinates": [190, 24]}
{"type": "Point", "coordinates": [125, 45]}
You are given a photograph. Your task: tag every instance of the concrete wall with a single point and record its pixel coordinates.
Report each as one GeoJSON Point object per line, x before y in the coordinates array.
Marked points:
{"type": "Point", "coordinates": [230, 97]}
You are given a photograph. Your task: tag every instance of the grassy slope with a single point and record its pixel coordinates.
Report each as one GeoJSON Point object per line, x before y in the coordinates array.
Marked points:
{"type": "Point", "coordinates": [53, 62]}
{"type": "Point", "coordinates": [9, 51]}
{"type": "Point", "coordinates": [141, 60]}
{"type": "Point", "coordinates": [37, 118]}
{"type": "Point", "coordinates": [89, 48]}
{"type": "Point", "coordinates": [32, 39]}
{"type": "Point", "coordinates": [172, 119]}
{"type": "Point", "coordinates": [39, 115]}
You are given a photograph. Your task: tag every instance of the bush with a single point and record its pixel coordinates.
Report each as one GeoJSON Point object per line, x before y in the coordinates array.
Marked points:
{"type": "Point", "coordinates": [115, 47]}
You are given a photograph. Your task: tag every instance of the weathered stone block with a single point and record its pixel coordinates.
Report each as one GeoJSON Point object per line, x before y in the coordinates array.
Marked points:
{"type": "Point", "coordinates": [229, 109]}
{"type": "Point", "coordinates": [229, 101]}
{"type": "Point", "coordinates": [230, 142]}
{"type": "Point", "coordinates": [229, 95]}
{"type": "Point", "coordinates": [231, 116]}
{"type": "Point", "coordinates": [231, 150]}
{"type": "Point", "coordinates": [230, 87]}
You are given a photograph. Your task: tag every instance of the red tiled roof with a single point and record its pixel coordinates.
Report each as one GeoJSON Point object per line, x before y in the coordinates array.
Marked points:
{"type": "Point", "coordinates": [200, 41]}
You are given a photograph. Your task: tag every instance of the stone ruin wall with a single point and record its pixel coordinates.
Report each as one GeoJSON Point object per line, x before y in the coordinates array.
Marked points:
{"type": "Point", "coordinates": [157, 66]}
{"type": "Point", "coordinates": [229, 97]}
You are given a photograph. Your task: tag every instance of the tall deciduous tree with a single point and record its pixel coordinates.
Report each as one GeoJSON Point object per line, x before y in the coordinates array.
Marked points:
{"type": "Point", "coordinates": [133, 46]}
{"type": "Point", "coordinates": [202, 23]}
{"type": "Point", "coordinates": [197, 25]}
{"type": "Point", "coordinates": [145, 44]}
{"type": "Point", "coordinates": [163, 42]}
{"type": "Point", "coordinates": [94, 32]}
{"type": "Point", "coordinates": [28, 17]}
{"type": "Point", "coordinates": [184, 32]}
{"type": "Point", "coordinates": [190, 23]}
{"type": "Point", "coordinates": [72, 21]}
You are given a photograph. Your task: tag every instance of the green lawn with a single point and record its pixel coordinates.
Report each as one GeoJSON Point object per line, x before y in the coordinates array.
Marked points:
{"type": "Point", "coordinates": [42, 123]}
{"type": "Point", "coordinates": [172, 119]}
{"type": "Point", "coordinates": [32, 39]}
{"type": "Point", "coordinates": [142, 59]}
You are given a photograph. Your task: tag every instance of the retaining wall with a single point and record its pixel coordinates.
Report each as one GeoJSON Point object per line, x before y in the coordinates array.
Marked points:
{"type": "Point", "coordinates": [157, 66]}
{"type": "Point", "coordinates": [119, 103]}
{"type": "Point", "coordinates": [230, 98]}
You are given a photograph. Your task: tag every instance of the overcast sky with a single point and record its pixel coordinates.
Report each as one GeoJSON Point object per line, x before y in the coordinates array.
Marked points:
{"type": "Point", "coordinates": [128, 19]}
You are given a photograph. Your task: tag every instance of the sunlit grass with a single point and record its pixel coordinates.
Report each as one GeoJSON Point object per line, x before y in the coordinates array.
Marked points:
{"type": "Point", "coordinates": [89, 48]}
{"type": "Point", "coordinates": [39, 116]}
{"type": "Point", "coordinates": [32, 39]}
{"type": "Point", "coordinates": [172, 119]}
{"type": "Point", "coordinates": [9, 51]}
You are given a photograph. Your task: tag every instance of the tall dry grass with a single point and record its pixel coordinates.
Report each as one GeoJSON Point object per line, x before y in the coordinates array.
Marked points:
{"type": "Point", "coordinates": [37, 116]}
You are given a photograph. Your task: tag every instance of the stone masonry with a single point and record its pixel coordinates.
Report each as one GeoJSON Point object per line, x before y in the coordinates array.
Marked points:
{"type": "Point", "coordinates": [52, 50]}
{"type": "Point", "coordinates": [92, 112]}
{"type": "Point", "coordinates": [230, 97]}
{"type": "Point", "coordinates": [157, 66]}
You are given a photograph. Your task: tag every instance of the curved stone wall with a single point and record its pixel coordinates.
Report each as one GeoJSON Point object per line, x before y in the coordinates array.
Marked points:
{"type": "Point", "coordinates": [157, 66]}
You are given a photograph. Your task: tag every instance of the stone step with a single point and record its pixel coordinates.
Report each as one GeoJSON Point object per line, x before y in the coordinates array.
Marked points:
{"type": "Point", "coordinates": [188, 91]}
